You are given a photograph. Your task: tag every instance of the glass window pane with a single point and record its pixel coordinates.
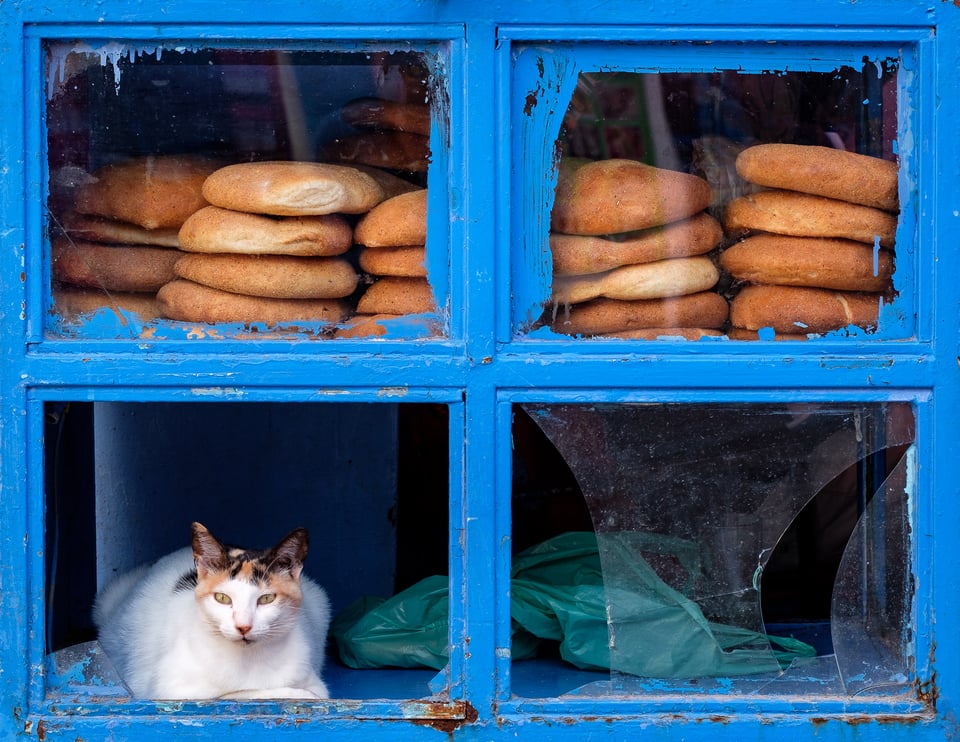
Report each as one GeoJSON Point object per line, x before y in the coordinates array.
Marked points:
{"type": "Point", "coordinates": [748, 205]}
{"type": "Point", "coordinates": [223, 192]}
{"type": "Point", "coordinates": [743, 548]}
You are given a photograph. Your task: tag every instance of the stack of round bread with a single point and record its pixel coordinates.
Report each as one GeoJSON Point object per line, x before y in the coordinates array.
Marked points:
{"type": "Point", "coordinates": [817, 253]}
{"type": "Point", "coordinates": [118, 246]}
{"type": "Point", "coordinates": [270, 246]}
{"type": "Point", "coordinates": [392, 238]}
{"type": "Point", "coordinates": [629, 244]}
{"type": "Point", "coordinates": [392, 135]}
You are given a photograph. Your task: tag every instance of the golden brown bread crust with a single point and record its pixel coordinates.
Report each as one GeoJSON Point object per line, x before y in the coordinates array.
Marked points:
{"type": "Point", "coordinates": [822, 171]}
{"type": "Point", "coordinates": [364, 326]}
{"type": "Point", "coordinates": [613, 196]}
{"type": "Point", "coordinates": [391, 150]}
{"type": "Point", "coordinates": [286, 188]}
{"type": "Point", "coordinates": [655, 333]}
{"type": "Point", "coordinates": [394, 295]}
{"type": "Point", "coordinates": [152, 192]}
{"type": "Point", "coordinates": [706, 309]}
{"type": "Point", "coordinates": [379, 113]}
{"type": "Point", "coordinates": [800, 310]}
{"type": "Point", "coordinates": [277, 276]}
{"type": "Point", "coordinates": [809, 261]}
{"type": "Point", "coordinates": [406, 261]}
{"type": "Point", "coordinates": [73, 303]}
{"type": "Point", "coordinates": [580, 254]}
{"type": "Point", "coordinates": [401, 220]}
{"type": "Point", "coordinates": [738, 333]}
{"type": "Point", "coordinates": [86, 228]}
{"type": "Point", "coordinates": [804, 215]}
{"type": "Point", "coordinates": [663, 278]}
{"type": "Point", "coordinates": [192, 302]}
{"type": "Point", "coordinates": [130, 268]}
{"type": "Point", "coordinates": [217, 230]}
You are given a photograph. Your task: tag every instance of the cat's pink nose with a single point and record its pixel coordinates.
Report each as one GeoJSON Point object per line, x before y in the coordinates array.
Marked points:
{"type": "Point", "coordinates": [244, 630]}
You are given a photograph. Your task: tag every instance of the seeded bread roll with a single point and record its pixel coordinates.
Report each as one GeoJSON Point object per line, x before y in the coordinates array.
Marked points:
{"type": "Point", "coordinates": [407, 261]}
{"type": "Point", "coordinates": [112, 267]}
{"type": "Point", "coordinates": [613, 196]}
{"type": "Point", "coordinates": [706, 309]}
{"type": "Point", "coordinates": [98, 229]}
{"type": "Point", "coordinates": [674, 277]}
{"type": "Point", "coordinates": [277, 276]}
{"type": "Point", "coordinates": [391, 150]}
{"type": "Point", "coordinates": [393, 295]}
{"type": "Point", "coordinates": [293, 188]}
{"type": "Point", "coordinates": [803, 215]}
{"type": "Point", "coordinates": [577, 254]}
{"type": "Point", "coordinates": [152, 192]}
{"type": "Point", "coordinates": [217, 230]}
{"type": "Point", "coordinates": [809, 261]}
{"type": "Point", "coordinates": [799, 310]}
{"type": "Point", "coordinates": [378, 113]}
{"type": "Point", "coordinates": [822, 171]}
{"type": "Point", "coordinates": [401, 220]}
{"type": "Point", "coordinates": [193, 302]}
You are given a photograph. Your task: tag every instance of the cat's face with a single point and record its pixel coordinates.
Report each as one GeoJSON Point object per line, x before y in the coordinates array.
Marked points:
{"type": "Point", "coordinates": [249, 595]}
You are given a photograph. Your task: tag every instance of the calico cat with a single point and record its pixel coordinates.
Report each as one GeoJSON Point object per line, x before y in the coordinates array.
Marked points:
{"type": "Point", "coordinates": [218, 622]}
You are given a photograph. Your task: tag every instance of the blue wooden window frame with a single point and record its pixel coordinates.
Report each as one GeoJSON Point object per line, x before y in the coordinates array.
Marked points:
{"type": "Point", "coordinates": [481, 368]}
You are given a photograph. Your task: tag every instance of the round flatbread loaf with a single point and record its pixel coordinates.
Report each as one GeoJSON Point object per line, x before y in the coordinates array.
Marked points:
{"type": "Point", "coordinates": [674, 277]}
{"type": "Point", "coordinates": [112, 267]}
{"type": "Point", "coordinates": [809, 261]}
{"type": "Point", "coordinates": [822, 171]}
{"type": "Point", "coordinates": [152, 192]}
{"type": "Point", "coordinates": [408, 261]}
{"type": "Point", "coordinates": [613, 196]}
{"type": "Point", "coordinates": [217, 230]}
{"type": "Point", "coordinates": [286, 188]}
{"type": "Point", "coordinates": [193, 302]}
{"type": "Point", "coordinates": [378, 113]}
{"type": "Point", "coordinates": [401, 220]}
{"type": "Point", "coordinates": [803, 215]}
{"type": "Point", "coordinates": [800, 310]}
{"type": "Point", "coordinates": [97, 229]}
{"type": "Point", "coordinates": [74, 303]}
{"type": "Point", "coordinates": [393, 295]}
{"type": "Point", "coordinates": [575, 255]}
{"type": "Point", "coordinates": [706, 309]}
{"type": "Point", "coordinates": [277, 276]}
{"type": "Point", "coordinates": [392, 150]}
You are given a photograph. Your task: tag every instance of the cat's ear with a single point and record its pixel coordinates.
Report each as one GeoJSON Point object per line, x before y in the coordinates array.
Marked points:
{"type": "Point", "coordinates": [288, 555]}
{"type": "Point", "coordinates": [208, 553]}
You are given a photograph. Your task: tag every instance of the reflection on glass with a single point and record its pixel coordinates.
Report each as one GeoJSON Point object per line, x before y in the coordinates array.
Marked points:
{"type": "Point", "coordinates": [689, 506]}
{"type": "Point", "coordinates": [260, 189]}
{"type": "Point", "coordinates": [707, 204]}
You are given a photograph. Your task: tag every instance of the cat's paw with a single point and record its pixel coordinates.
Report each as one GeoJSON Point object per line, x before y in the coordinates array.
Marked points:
{"type": "Point", "coordinates": [270, 694]}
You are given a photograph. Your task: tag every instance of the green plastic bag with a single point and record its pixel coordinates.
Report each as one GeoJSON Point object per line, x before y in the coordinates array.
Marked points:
{"type": "Point", "coordinates": [630, 622]}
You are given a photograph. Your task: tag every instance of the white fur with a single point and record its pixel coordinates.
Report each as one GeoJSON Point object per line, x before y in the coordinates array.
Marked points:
{"type": "Point", "coordinates": [166, 645]}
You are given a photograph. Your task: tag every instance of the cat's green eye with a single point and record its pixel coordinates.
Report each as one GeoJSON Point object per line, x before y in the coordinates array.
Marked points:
{"type": "Point", "coordinates": [266, 598]}
{"type": "Point", "coordinates": [222, 598]}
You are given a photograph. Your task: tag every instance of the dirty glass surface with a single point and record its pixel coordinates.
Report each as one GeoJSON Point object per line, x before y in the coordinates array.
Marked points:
{"type": "Point", "coordinates": [692, 505]}
{"type": "Point", "coordinates": [315, 225]}
{"type": "Point", "coordinates": [724, 204]}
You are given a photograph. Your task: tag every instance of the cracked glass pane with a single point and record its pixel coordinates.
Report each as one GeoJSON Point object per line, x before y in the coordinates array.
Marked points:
{"type": "Point", "coordinates": [691, 503]}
